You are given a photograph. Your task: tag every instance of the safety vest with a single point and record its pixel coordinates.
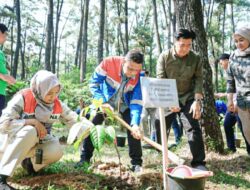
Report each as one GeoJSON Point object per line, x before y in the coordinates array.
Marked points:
{"type": "Point", "coordinates": [30, 105]}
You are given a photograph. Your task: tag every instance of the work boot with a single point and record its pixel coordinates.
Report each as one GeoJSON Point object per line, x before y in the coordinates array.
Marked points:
{"type": "Point", "coordinates": [82, 163]}
{"type": "Point", "coordinates": [201, 167]}
{"type": "Point", "coordinates": [3, 183]}
{"type": "Point", "coordinates": [136, 168]}
{"type": "Point", "coordinates": [28, 166]}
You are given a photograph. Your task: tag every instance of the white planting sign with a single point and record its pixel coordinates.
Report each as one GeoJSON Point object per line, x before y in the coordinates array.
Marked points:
{"type": "Point", "coordinates": [159, 93]}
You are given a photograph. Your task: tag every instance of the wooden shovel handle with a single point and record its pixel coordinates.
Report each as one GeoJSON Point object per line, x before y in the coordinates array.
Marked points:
{"type": "Point", "coordinates": [172, 156]}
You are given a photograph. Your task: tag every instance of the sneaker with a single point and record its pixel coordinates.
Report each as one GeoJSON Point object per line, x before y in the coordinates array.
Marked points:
{"type": "Point", "coordinates": [5, 186]}
{"type": "Point", "coordinates": [28, 166]}
{"type": "Point", "coordinates": [172, 146]}
{"type": "Point", "coordinates": [147, 146]}
{"type": "Point", "coordinates": [3, 183]}
{"type": "Point", "coordinates": [136, 168]}
{"type": "Point", "coordinates": [201, 167]}
{"type": "Point", "coordinates": [81, 164]}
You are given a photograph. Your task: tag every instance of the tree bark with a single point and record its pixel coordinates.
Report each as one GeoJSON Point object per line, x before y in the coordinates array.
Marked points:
{"type": "Point", "coordinates": [18, 41]}
{"type": "Point", "coordinates": [42, 44]}
{"type": "Point", "coordinates": [23, 51]}
{"type": "Point", "coordinates": [49, 32]}
{"type": "Point", "coordinates": [158, 40]}
{"type": "Point", "coordinates": [232, 22]}
{"type": "Point", "coordinates": [54, 50]}
{"type": "Point", "coordinates": [107, 37]}
{"type": "Point", "coordinates": [79, 41]}
{"type": "Point", "coordinates": [189, 15]}
{"type": "Point", "coordinates": [12, 47]}
{"type": "Point", "coordinates": [126, 26]}
{"type": "Point", "coordinates": [60, 39]}
{"type": "Point", "coordinates": [168, 20]}
{"type": "Point", "coordinates": [120, 37]}
{"type": "Point", "coordinates": [101, 32]}
{"type": "Point", "coordinates": [85, 41]}
{"type": "Point", "coordinates": [223, 26]}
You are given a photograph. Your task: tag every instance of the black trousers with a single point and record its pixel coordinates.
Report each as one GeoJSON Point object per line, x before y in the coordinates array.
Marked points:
{"type": "Point", "coordinates": [135, 150]}
{"type": "Point", "coordinates": [2, 103]}
{"type": "Point", "coordinates": [192, 130]}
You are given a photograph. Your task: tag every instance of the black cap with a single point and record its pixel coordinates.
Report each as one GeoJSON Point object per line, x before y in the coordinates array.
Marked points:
{"type": "Point", "coordinates": [224, 56]}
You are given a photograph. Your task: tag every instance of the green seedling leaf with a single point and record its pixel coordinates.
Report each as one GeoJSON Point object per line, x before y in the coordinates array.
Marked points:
{"type": "Point", "coordinates": [98, 136]}
{"type": "Point", "coordinates": [82, 137]}
{"type": "Point", "coordinates": [110, 134]}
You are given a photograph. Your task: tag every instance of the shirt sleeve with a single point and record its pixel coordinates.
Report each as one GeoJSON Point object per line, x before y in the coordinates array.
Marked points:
{"type": "Point", "coordinates": [97, 80]}
{"type": "Point", "coordinates": [68, 116]}
{"type": "Point", "coordinates": [11, 120]}
{"type": "Point", "coordinates": [160, 67]}
{"type": "Point", "coordinates": [198, 77]}
{"type": "Point", "coordinates": [230, 80]}
{"type": "Point", "coordinates": [136, 105]}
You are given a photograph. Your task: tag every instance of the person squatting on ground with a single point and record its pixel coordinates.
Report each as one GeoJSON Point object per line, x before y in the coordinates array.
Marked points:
{"type": "Point", "coordinates": [185, 66]}
{"type": "Point", "coordinates": [238, 78]}
{"type": "Point", "coordinates": [27, 120]}
{"type": "Point", "coordinates": [5, 78]}
{"type": "Point", "coordinates": [231, 118]}
{"type": "Point", "coordinates": [117, 82]}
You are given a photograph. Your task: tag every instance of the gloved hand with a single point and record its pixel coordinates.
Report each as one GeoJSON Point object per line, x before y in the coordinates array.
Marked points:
{"type": "Point", "coordinates": [136, 132]}
{"type": "Point", "coordinates": [78, 129]}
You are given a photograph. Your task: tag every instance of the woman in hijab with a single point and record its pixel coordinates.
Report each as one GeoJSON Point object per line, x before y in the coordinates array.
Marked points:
{"type": "Point", "coordinates": [27, 120]}
{"type": "Point", "coordinates": [238, 80]}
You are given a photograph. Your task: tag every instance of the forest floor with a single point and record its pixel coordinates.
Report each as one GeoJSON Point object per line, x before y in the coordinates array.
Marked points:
{"type": "Point", "coordinates": [231, 171]}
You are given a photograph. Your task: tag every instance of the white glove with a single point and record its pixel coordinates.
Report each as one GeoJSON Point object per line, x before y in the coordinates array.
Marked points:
{"type": "Point", "coordinates": [78, 129]}
{"type": "Point", "coordinates": [136, 132]}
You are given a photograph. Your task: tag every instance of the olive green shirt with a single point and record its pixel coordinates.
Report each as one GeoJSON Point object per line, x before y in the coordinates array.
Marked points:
{"type": "Point", "coordinates": [186, 70]}
{"type": "Point", "coordinates": [3, 70]}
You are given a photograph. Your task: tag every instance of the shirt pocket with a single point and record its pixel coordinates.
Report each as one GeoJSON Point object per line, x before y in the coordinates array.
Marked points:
{"type": "Point", "coordinates": [187, 73]}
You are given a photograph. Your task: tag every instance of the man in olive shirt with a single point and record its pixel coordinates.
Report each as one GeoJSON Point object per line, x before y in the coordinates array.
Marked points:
{"type": "Point", "coordinates": [5, 78]}
{"type": "Point", "coordinates": [185, 66]}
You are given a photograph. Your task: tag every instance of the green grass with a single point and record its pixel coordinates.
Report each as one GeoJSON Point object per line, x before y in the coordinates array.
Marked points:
{"type": "Point", "coordinates": [236, 181]}
{"type": "Point", "coordinates": [231, 171]}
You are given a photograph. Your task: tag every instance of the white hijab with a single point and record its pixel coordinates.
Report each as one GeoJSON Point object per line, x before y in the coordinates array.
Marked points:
{"type": "Point", "coordinates": [245, 33]}
{"type": "Point", "coordinates": [41, 83]}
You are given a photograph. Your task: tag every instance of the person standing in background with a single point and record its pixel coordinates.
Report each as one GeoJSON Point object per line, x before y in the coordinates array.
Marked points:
{"type": "Point", "coordinates": [238, 78]}
{"type": "Point", "coordinates": [231, 118]}
{"type": "Point", "coordinates": [5, 78]}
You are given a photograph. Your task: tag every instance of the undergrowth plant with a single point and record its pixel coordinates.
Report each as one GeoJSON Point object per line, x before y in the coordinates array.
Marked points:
{"type": "Point", "coordinates": [100, 134]}
{"type": "Point", "coordinates": [13, 89]}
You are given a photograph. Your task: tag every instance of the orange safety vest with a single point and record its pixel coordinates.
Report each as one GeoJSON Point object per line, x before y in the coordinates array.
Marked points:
{"type": "Point", "coordinates": [30, 105]}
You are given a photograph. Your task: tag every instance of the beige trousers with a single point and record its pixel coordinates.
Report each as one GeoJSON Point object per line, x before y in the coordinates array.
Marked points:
{"type": "Point", "coordinates": [245, 120]}
{"type": "Point", "coordinates": [23, 145]}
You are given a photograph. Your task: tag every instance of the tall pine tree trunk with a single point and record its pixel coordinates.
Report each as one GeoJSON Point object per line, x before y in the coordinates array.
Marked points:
{"type": "Point", "coordinates": [79, 41]}
{"type": "Point", "coordinates": [84, 41]}
{"type": "Point", "coordinates": [126, 26]}
{"type": "Point", "coordinates": [49, 32]}
{"type": "Point", "coordinates": [18, 41]}
{"type": "Point", "coordinates": [158, 40]}
{"type": "Point", "coordinates": [23, 51]}
{"type": "Point", "coordinates": [101, 31]}
{"type": "Point", "coordinates": [55, 40]}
